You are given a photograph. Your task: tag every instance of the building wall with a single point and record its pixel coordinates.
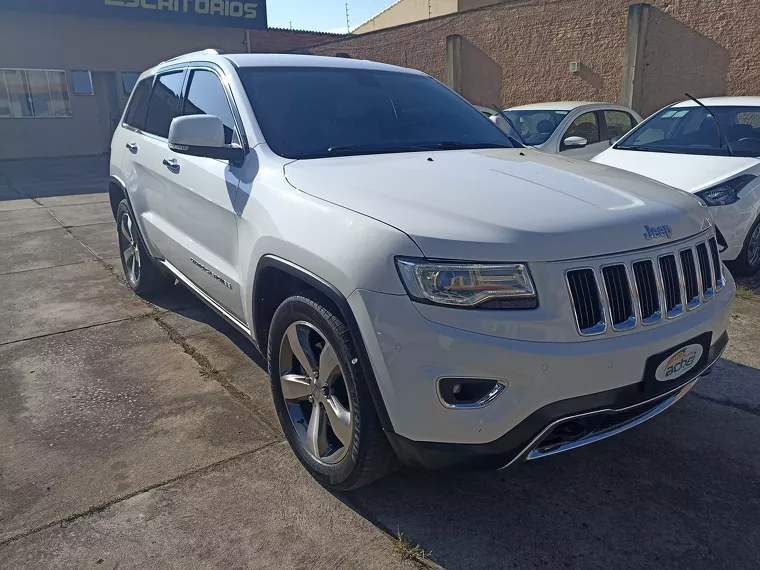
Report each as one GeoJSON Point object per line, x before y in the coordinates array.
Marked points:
{"type": "Point", "coordinates": [405, 11]}
{"type": "Point", "coordinates": [708, 46]}
{"type": "Point", "coordinates": [46, 41]}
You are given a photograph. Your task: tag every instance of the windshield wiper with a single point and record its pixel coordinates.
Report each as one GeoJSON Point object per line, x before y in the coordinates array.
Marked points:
{"type": "Point", "coordinates": [511, 124]}
{"type": "Point", "coordinates": [454, 145]}
{"type": "Point", "coordinates": [376, 149]}
{"type": "Point", "coordinates": [717, 122]}
{"type": "Point", "coordinates": [646, 149]}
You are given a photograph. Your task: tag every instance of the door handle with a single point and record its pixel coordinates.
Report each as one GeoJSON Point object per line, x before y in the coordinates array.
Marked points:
{"type": "Point", "coordinates": [133, 148]}
{"type": "Point", "coordinates": [171, 164]}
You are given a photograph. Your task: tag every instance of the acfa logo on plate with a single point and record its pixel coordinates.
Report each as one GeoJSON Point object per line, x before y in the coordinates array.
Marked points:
{"type": "Point", "coordinates": [679, 363]}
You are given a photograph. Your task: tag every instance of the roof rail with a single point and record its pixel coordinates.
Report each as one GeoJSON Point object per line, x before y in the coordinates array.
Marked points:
{"type": "Point", "coordinates": [209, 51]}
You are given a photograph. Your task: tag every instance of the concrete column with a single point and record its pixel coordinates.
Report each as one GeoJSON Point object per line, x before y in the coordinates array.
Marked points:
{"type": "Point", "coordinates": [633, 63]}
{"type": "Point", "coordinates": [454, 62]}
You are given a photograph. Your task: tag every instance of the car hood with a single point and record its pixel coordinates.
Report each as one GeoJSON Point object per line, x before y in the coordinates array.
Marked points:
{"type": "Point", "coordinates": [503, 204]}
{"type": "Point", "coordinates": [689, 172]}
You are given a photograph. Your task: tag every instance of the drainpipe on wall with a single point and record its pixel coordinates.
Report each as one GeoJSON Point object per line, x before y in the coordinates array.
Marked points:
{"type": "Point", "coordinates": [633, 63]}
{"type": "Point", "coordinates": [454, 62]}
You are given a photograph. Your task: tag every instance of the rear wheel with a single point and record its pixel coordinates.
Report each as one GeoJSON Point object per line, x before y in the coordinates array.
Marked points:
{"type": "Point", "coordinates": [748, 262]}
{"type": "Point", "coordinates": [321, 398]}
{"type": "Point", "coordinates": [141, 272]}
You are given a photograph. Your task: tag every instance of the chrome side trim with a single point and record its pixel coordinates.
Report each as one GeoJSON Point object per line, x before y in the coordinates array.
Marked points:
{"type": "Point", "coordinates": [216, 307]}
{"type": "Point", "coordinates": [668, 399]}
{"type": "Point", "coordinates": [593, 438]}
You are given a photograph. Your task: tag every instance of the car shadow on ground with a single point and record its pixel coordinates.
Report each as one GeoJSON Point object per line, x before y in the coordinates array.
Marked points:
{"type": "Point", "coordinates": [671, 492]}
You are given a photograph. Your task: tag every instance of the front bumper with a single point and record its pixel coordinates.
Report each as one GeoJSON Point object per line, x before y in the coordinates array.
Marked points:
{"type": "Point", "coordinates": [542, 433]}
{"type": "Point", "coordinates": [546, 381]}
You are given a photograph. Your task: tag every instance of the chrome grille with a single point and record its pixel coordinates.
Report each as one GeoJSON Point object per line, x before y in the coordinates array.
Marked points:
{"type": "Point", "coordinates": [584, 293]}
{"type": "Point", "coordinates": [648, 290]}
{"type": "Point", "coordinates": [619, 297]}
{"type": "Point", "coordinates": [705, 271]}
{"type": "Point", "coordinates": [671, 285]}
{"type": "Point", "coordinates": [644, 291]}
{"type": "Point", "coordinates": [690, 278]}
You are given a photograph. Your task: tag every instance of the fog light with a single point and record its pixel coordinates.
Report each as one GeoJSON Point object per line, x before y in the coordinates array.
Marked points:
{"type": "Point", "coordinates": [469, 392]}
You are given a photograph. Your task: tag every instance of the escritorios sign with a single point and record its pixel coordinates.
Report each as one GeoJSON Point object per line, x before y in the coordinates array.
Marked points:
{"type": "Point", "coordinates": [250, 14]}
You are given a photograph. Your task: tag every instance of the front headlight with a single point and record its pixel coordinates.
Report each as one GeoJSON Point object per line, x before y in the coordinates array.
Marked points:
{"type": "Point", "coordinates": [727, 192]}
{"type": "Point", "coordinates": [487, 286]}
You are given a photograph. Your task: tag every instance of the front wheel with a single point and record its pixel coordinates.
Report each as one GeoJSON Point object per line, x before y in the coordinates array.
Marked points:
{"type": "Point", "coordinates": [321, 398]}
{"type": "Point", "coordinates": [748, 262]}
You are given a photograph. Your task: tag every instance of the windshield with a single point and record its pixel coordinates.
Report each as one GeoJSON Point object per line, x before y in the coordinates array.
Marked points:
{"type": "Point", "coordinates": [536, 126]}
{"type": "Point", "coordinates": [692, 130]}
{"type": "Point", "coordinates": [313, 112]}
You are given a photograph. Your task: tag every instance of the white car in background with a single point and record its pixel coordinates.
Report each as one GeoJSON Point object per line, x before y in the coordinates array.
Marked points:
{"type": "Point", "coordinates": [683, 147]}
{"type": "Point", "coordinates": [578, 129]}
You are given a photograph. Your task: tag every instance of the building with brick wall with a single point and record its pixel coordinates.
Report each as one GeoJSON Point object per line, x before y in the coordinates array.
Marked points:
{"type": "Point", "coordinates": [408, 11]}
{"type": "Point", "coordinates": [519, 51]}
{"type": "Point", "coordinates": [67, 68]}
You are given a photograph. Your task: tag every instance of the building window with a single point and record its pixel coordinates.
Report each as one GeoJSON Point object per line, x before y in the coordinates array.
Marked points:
{"type": "Point", "coordinates": [81, 81]}
{"type": "Point", "coordinates": [33, 93]}
{"type": "Point", "coordinates": [128, 80]}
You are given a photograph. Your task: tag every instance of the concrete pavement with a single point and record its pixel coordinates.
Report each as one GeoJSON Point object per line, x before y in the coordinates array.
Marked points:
{"type": "Point", "coordinates": [139, 435]}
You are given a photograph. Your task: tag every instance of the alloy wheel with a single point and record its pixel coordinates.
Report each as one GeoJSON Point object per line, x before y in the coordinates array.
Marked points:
{"type": "Point", "coordinates": [316, 394]}
{"type": "Point", "coordinates": [753, 248]}
{"type": "Point", "coordinates": [130, 250]}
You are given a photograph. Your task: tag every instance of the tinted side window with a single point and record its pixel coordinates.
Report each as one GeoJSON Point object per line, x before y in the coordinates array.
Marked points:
{"type": "Point", "coordinates": [206, 96]}
{"type": "Point", "coordinates": [164, 103]}
{"type": "Point", "coordinates": [585, 126]}
{"type": "Point", "coordinates": [138, 105]}
{"type": "Point", "coordinates": [618, 123]}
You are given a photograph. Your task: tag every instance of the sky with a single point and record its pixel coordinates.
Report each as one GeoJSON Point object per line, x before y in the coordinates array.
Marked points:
{"type": "Point", "coordinates": [322, 15]}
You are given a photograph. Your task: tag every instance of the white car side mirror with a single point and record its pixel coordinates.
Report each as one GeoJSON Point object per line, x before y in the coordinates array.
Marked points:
{"type": "Point", "coordinates": [575, 141]}
{"type": "Point", "coordinates": [202, 135]}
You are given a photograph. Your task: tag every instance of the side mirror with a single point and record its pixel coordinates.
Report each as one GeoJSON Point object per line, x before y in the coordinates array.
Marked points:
{"type": "Point", "coordinates": [615, 140]}
{"type": "Point", "coordinates": [202, 135]}
{"type": "Point", "coordinates": [575, 141]}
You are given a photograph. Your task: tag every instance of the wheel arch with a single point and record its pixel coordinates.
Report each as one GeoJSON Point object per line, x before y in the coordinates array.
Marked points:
{"type": "Point", "coordinates": [275, 280]}
{"type": "Point", "coordinates": [116, 193]}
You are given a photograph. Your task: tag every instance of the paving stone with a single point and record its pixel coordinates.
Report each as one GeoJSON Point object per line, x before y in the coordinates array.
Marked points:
{"type": "Point", "coordinates": [45, 301]}
{"type": "Point", "coordinates": [74, 200]}
{"type": "Point", "coordinates": [96, 414]}
{"type": "Point", "coordinates": [28, 220]}
{"type": "Point", "coordinates": [9, 204]}
{"type": "Point", "coordinates": [100, 238]}
{"type": "Point", "coordinates": [37, 250]}
{"type": "Point", "coordinates": [84, 214]}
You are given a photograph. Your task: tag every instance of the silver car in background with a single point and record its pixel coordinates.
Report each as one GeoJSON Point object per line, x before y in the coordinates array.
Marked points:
{"type": "Point", "coordinates": [578, 129]}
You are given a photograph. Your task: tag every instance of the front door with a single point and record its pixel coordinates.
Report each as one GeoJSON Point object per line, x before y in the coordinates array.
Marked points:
{"type": "Point", "coordinates": [109, 112]}
{"type": "Point", "coordinates": [586, 126]}
{"type": "Point", "coordinates": [202, 240]}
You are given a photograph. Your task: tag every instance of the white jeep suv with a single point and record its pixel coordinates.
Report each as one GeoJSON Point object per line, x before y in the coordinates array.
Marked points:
{"type": "Point", "coordinates": [424, 288]}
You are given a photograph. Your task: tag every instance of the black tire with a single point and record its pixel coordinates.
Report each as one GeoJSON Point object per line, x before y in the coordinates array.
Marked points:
{"type": "Point", "coordinates": [743, 266]}
{"type": "Point", "coordinates": [141, 272]}
{"type": "Point", "coordinates": [369, 455]}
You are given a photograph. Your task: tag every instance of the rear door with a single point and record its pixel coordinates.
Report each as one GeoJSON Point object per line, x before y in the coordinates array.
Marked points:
{"type": "Point", "coordinates": [199, 199]}
{"type": "Point", "coordinates": [616, 123]}
{"type": "Point", "coordinates": [150, 176]}
{"type": "Point", "coordinates": [130, 140]}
